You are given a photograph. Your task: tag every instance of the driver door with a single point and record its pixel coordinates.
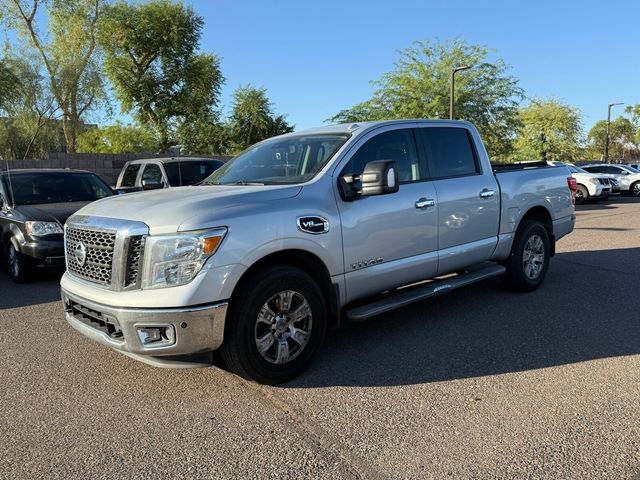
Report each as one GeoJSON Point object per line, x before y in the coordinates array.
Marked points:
{"type": "Point", "coordinates": [389, 240]}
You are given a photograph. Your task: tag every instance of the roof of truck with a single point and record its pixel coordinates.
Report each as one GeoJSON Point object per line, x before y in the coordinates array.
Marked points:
{"type": "Point", "coordinates": [361, 126]}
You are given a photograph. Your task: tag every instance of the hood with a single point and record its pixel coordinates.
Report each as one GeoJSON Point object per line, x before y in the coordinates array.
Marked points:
{"type": "Point", "coordinates": [50, 212]}
{"type": "Point", "coordinates": [164, 210]}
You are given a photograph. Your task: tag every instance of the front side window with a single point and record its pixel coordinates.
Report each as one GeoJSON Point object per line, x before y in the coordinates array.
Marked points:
{"type": "Point", "coordinates": [449, 152]}
{"type": "Point", "coordinates": [281, 160]}
{"type": "Point", "coordinates": [130, 174]}
{"type": "Point", "coordinates": [396, 145]}
{"type": "Point", "coordinates": [152, 172]}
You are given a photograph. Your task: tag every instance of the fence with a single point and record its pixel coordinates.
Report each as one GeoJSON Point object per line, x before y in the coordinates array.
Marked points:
{"type": "Point", "coordinates": [105, 165]}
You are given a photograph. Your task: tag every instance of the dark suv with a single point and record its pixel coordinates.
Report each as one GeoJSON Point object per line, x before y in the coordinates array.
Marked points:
{"type": "Point", "coordinates": [34, 204]}
{"type": "Point", "coordinates": [152, 173]}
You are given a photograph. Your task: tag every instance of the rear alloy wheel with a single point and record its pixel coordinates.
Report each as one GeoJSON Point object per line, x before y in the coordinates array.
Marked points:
{"type": "Point", "coordinates": [635, 189]}
{"type": "Point", "coordinates": [529, 260]}
{"type": "Point", "coordinates": [582, 194]}
{"type": "Point", "coordinates": [275, 325]}
{"type": "Point", "coordinates": [18, 265]}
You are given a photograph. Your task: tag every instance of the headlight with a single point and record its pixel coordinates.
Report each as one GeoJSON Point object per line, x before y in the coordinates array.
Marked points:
{"type": "Point", "coordinates": [38, 229]}
{"type": "Point", "coordinates": [172, 260]}
{"type": "Point", "coordinates": [592, 180]}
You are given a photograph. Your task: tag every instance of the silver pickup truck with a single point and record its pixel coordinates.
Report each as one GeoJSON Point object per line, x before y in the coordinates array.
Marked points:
{"type": "Point", "coordinates": [301, 232]}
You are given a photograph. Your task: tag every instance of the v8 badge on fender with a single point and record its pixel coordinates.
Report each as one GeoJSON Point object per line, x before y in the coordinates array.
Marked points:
{"type": "Point", "coordinates": [313, 225]}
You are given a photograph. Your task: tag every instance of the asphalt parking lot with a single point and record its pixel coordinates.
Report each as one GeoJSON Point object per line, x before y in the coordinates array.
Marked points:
{"type": "Point", "coordinates": [482, 383]}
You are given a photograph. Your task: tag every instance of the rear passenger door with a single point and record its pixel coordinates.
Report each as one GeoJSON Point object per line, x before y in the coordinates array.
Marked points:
{"type": "Point", "coordinates": [468, 197]}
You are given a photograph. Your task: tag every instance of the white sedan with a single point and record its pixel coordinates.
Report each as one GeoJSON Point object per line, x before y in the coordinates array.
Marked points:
{"type": "Point", "coordinates": [628, 177]}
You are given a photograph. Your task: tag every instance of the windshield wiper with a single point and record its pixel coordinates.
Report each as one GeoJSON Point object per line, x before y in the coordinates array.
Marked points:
{"type": "Point", "coordinates": [240, 182]}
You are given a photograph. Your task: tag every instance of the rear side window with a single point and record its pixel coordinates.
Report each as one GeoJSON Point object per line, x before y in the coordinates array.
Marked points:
{"type": "Point", "coordinates": [130, 174]}
{"type": "Point", "coordinates": [604, 169]}
{"type": "Point", "coordinates": [196, 171]}
{"type": "Point", "coordinates": [449, 152]}
{"type": "Point", "coordinates": [190, 172]}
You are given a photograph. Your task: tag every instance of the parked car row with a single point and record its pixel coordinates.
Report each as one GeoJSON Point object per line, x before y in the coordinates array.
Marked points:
{"type": "Point", "coordinates": [35, 204]}
{"type": "Point", "coordinates": [598, 181]}
{"type": "Point", "coordinates": [589, 186]}
{"type": "Point", "coordinates": [626, 175]}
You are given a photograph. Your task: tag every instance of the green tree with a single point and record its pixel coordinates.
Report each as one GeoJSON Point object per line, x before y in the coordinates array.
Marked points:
{"type": "Point", "coordinates": [621, 136]}
{"type": "Point", "coordinates": [67, 53]}
{"type": "Point", "coordinates": [117, 138]}
{"type": "Point", "coordinates": [152, 61]}
{"type": "Point", "coordinates": [634, 111]}
{"type": "Point", "coordinates": [253, 119]}
{"type": "Point", "coordinates": [29, 127]}
{"type": "Point", "coordinates": [550, 130]}
{"type": "Point", "coordinates": [204, 134]}
{"type": "Point", "coordinates": [418, 87]}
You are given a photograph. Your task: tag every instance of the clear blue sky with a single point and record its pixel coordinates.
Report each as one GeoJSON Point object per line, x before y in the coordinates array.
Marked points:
{"type": "Point", "coordinates": [317, 57]}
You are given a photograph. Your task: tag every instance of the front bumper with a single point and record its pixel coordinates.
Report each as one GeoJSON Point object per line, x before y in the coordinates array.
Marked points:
{"type": "Point", "coordinates": [197, 330]}
{"type": "Point", "coordinates": [49, 252]}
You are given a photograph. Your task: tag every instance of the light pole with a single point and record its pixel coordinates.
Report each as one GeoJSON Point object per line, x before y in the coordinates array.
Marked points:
{"type": "Point", "coordinates": [453, 87]}
{"type": "Point", "coordinates": [606, 141]}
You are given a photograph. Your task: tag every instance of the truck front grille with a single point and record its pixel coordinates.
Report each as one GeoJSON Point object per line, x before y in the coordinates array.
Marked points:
{"type": "Point", "coordinates": [108, 252]}
{"type": "Point", "coordinates": [90, 254]}
{"type": "Point", "coordinates": [134, 257]}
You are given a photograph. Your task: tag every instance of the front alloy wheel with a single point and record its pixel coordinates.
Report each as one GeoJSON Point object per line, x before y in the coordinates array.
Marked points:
{"type": "Point", "coordinates": [283, 327]}
{"type": "Point", "coordinates": [276, 323]}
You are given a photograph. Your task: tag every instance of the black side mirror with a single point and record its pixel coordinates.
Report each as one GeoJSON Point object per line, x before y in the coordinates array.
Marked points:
{"type": "Point", "coordinates": [378, 178]}
{"type": "Point", "coordinates": [151, 184]}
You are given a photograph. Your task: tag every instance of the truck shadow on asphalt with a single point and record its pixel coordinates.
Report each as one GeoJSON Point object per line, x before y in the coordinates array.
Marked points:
{"type": "Point", "coordinates": [44, 288]}
{"type": "Point", "coordinates": [586, 310]}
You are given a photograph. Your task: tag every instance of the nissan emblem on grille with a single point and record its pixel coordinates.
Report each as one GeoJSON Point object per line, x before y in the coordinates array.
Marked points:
{"type": "Point", "coordinates": [80, 253]}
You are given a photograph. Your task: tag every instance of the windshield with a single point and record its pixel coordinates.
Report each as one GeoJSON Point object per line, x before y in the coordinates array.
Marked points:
{"type": "Point", "coordinates": [57, 187]}
{"type": "Point", "coordinates": [630, 168]}
{"type": "Point", "coordinates": [281, 160]}
{"type": "Point", "coordinates": [190, 172]}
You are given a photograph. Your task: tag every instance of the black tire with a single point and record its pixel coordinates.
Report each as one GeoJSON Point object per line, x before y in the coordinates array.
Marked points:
{"type": "Point", "coordinates": [582, 194]}
{"type": "Point", "coordinates": [19, 266]}
{"type": "Point", "coordinates": [518, 276]}
{"type": "Point", "coordinates": [240, 350]}
{"type": "Point", "coordinates": [634, 189]}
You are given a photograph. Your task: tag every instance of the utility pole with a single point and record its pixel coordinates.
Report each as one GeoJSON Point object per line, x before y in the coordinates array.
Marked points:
{"type": "Point", "coordinates": [606, 141]}
{"type": "Point", "coordinates": [453, 87]}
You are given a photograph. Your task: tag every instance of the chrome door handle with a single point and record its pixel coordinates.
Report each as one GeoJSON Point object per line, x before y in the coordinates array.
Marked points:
{"type": "Point", "coordinates": [425, 202]}
{"type": "Point", "coordinates": [486, 193]}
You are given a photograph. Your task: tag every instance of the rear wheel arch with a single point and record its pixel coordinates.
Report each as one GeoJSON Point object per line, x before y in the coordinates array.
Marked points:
{"type": "Point", "coordinates": [542, 215]}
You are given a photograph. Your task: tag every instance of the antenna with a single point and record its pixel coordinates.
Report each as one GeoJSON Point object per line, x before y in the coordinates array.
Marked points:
{"type": "Point", "coordinates": [13, 201]}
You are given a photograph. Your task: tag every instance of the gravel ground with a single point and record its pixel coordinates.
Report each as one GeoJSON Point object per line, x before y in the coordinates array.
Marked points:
{"type": "Point", "coordinates": [482, 383]}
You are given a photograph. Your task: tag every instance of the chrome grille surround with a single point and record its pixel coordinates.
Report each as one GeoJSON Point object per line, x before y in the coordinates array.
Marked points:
{"type": "Point", "coordinates": [114, 251]}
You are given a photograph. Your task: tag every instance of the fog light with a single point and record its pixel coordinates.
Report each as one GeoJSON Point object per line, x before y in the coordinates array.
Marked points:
{"type": "Point", "coordinates": [152, 336]}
